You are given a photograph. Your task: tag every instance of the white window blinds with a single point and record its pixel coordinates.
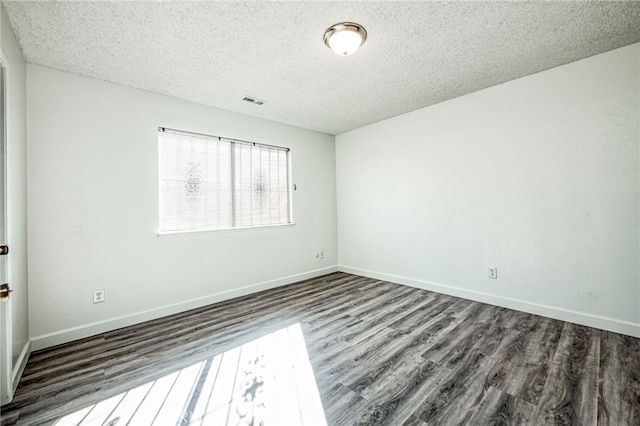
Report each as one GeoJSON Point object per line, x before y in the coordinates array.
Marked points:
{"type": "Point", "coordinates": [211, 183]}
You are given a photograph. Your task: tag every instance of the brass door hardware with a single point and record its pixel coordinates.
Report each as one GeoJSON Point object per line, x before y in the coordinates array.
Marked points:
{"type": "Point", "coordinates": [4, 291]}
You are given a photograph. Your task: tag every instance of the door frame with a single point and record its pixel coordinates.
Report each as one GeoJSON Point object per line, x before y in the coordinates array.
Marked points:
{"type": "Point", "coordinates": [7, 387]}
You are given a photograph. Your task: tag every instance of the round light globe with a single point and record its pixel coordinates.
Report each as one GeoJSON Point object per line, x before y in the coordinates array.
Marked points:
{"type": "Point", "coordinates": [345, 38]}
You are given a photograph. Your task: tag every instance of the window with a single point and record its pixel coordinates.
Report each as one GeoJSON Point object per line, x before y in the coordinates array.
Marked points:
{"type": "Point", "coordinates": [209, 183]}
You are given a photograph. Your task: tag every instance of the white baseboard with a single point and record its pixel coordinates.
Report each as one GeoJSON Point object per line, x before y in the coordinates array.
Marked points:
{"type": "Point", "coordinates": [21, 364]}
{"type": "Point", "coordinates": [63, 336]}
{"type": "Point", "coordinates": [583, 318]}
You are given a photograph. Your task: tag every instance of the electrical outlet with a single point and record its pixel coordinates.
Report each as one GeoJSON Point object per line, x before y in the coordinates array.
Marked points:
{"type": "Point", "coordinates": [493, 273]}
{"type": "Point", "coordinates": [320, 254]}
{"type": "Point", "coordinates": [98, 296]}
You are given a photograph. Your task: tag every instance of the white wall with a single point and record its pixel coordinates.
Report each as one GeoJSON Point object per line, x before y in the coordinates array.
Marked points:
{"type": "Point", "coordinates": [538, 176]}
{"type": "Point", "coordinates": [93, 210]}
{"type": "Point", "coordinates": [15, 83]}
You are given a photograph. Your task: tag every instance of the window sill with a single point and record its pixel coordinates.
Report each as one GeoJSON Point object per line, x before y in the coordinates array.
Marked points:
{"type": "Point", "coordinates": [238, 228]}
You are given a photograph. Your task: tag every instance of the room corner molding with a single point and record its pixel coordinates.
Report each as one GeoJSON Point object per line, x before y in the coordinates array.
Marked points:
{"type": "Point", "coordinates": [18, 369]}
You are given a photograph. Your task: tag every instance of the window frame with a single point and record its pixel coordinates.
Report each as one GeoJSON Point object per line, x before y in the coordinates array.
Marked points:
{"type": "Point", "coordinates": [232, 166]}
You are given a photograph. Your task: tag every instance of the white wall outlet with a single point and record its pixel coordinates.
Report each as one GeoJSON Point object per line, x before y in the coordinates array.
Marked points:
{"type": "Point", "coordinates": [320, 254]}
{"type": "Point", "coordinates": [493, 273]}
{"type": "Point", "coordinates": [98, 296]}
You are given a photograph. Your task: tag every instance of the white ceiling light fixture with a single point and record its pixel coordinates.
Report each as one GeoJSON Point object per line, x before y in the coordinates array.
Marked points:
{"type": "Point", "coordinates": [345, 38]}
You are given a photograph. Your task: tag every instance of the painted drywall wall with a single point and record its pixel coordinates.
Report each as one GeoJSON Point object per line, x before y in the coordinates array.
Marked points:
{"type": "Point", "coordinates": [538, 177]}
{"type": "Point", "coordinates": [93, 210]}
{"type": "Point", "coordinates": [16, 161]}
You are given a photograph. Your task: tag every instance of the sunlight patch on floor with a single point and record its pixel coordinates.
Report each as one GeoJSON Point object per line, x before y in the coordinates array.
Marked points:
{"type": "Point", "coordinates": [267, 381]}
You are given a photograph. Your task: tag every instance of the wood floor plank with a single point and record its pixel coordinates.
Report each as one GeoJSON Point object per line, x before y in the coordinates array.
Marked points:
{"type": "Point", "coordinates": [570, 395]}
{"type": "Point", "coordinates": [500, 408]}
{"type": "Point", "coordinates": [371, 352]}
{"type": "Point", "coordinates": [338, 362]}
{"type": "Point", "coordinates": [619, 380]}
{"type": "Point", "coordinates": [509, 372]}
{"type": "Point", "coordinates": [457, 344]}
{"type": "Point", "coordinates": [434, 308]}
{"type": "Point", "coordinates": [461, 389]}
{"type": "Point", "coordinates": [381, 364]}
{"type": "Point", "coordinates": [532, 372]}
{"type": "Point", "coordinates": [340, 402]}
{"type": "Point", "coordinates": [396, 403]}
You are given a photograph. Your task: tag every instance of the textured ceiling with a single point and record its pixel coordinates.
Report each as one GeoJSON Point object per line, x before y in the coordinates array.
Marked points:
{"type": "Point", "coordinates": [416, 54]}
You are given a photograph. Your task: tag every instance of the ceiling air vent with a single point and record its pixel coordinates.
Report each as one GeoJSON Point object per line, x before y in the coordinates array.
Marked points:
{"type": "Point", "coordinates": [253, 100]}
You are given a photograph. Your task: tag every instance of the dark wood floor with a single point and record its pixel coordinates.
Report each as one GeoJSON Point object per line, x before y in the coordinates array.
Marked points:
{"type": "Point", "coordinates": [337, 350]}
